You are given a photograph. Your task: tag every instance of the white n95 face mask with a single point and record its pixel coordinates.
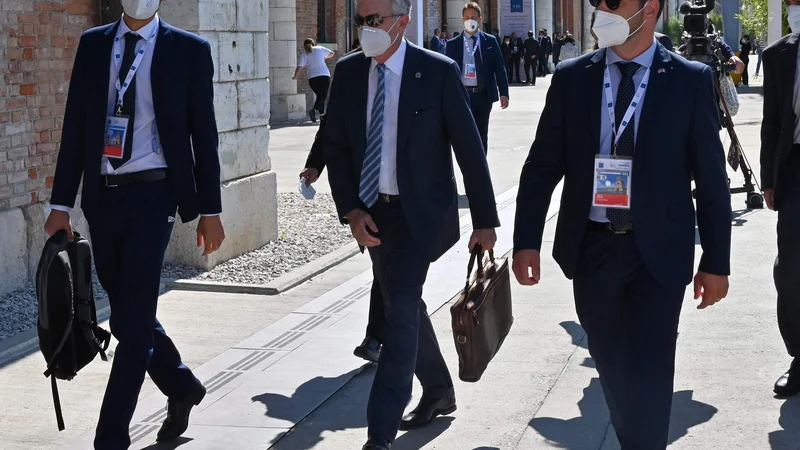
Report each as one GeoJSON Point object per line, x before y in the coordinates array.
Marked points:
{"type": "Point", "coordinates": [793, 11]}
{"type": "Point", "coordinates": [140, 9]}
{"type": "Point", "coordinates": [471, 25]}
{"type": "Point", "coordinates": [375, 41]}
{"type": "Point", "coordinates": [612, 29]}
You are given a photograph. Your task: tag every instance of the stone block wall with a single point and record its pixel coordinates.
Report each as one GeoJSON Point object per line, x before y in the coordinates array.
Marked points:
{"type": "Point", "coordinates": [238, 32]}
{"type": "Point", "coordinates": [286, 103]}
{"type": "Point", "coordinates": [38, 41]}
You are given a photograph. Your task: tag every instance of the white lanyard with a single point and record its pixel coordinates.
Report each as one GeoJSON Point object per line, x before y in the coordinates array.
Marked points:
{"type": "Point", "coordinates": [118, 48]}
{"type": "Point", "coordinates": [466, 45]}
{"type": "Point", "coordinates": [610, 99]}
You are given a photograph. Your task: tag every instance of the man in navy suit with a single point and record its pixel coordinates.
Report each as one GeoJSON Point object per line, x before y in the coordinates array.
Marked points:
{"type": "Point", "coordinates": [629, 246]}
{"type": "Point", "coordinates": [150, 84]}
{"type": "Point", "coordinates": [482, 68]}
{"type": "Point", "coordinates": [438, 44]}
{"type": "Point", "coordinates": [395, 111]}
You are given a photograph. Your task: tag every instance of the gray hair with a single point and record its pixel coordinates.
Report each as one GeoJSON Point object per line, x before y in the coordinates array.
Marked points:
{"type": "Point", "coordinates": [401, 7]}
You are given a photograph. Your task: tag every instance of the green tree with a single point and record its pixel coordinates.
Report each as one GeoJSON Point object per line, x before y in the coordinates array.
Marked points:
{"type": "Point", "coordinates": [754, 17]}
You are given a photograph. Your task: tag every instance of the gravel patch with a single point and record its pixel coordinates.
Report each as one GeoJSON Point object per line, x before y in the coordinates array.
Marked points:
{"type": "Point", "coordinates": [307, 230]}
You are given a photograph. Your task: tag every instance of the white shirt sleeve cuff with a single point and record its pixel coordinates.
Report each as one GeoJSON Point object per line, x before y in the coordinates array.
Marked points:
{"type": "Point", "coordinates": [66, 209]}
{"type": "Point", "coordinates": [210, 215]}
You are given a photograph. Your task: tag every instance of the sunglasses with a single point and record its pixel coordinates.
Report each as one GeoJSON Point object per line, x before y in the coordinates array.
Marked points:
{"type": "Point", "coordinates": [372, 20]}
{"type": "Point", "coordinates": [612, 4]}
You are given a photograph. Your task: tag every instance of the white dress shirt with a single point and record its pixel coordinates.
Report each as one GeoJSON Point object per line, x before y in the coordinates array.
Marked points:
{"type": "Point", "coordinates": [471, 49]}
{"type": "Point", "coordinates": [645, 60]}
{"type": "Point", "coordinates": [387, 183]}
{"type": "Point", "coordinates": [146, 152]}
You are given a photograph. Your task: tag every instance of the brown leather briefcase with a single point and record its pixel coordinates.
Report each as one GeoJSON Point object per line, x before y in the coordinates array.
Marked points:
{"type": "Point", "coordinates": [482, 314]}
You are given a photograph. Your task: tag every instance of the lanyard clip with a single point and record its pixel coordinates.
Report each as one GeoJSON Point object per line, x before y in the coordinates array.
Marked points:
{"type": "Point", "coordinates": [119, 109]}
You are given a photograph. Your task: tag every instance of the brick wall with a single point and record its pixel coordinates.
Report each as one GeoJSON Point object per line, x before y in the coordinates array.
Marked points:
{"type": "Point", "coordinates": [38, 41]}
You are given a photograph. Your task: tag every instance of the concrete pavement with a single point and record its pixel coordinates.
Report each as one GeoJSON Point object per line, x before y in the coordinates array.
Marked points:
{"type": "Point", "coordinates": [541, 391]}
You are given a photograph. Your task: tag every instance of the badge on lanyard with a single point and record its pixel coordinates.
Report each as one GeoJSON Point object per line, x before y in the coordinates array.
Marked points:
{"type": "Point", "coordinates": [470, 72]}
{"type": "Point", "coordinates": [612, 181]}
{"type": "Point", "coordinates": [116, 131]}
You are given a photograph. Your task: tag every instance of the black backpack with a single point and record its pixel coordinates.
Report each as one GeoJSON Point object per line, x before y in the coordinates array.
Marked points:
{"type": "Point", "coordinates": [69, 337]}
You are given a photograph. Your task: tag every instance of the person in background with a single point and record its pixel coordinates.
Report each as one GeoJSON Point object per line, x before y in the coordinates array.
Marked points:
{"type": "Point", "coordinates": [314, 59]}
{"type": "Point", "coordinates": [505, 50]}
{"type": "Point", "coordinates": [531, 53]}
{"type": "Point", "coordinates": [558, 42]}
{"type": "Point", "coordinates": [759, 51]}
{"type": "Point", "coordinates": [569, 50]}
{"type": "Point", "coordinates": [780, 177]}
{"type": "Point", "coordinates": [515, 51]}
{"type": "Point", "coordinates": [496, 34]}
{"type": "Point", "coordinates": [630, 264]}
{"type": "Point", "coordinates": [483, 73]}
{"type": "Point", "coordinates": [545, 50]}
{"type": "Point", "coordinates": [157, 93]}
{"type": "Point", "coordinates": [746, 47]}
{"type": "Point", "coordinates": [438, 44]}
{"type": "Point", "coordinates": [370, 348]}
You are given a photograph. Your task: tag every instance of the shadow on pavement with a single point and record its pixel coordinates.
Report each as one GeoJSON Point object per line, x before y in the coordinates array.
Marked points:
{"type": "Point", "coordinates": [589, 429]}
{"type": "Point", "coordinates": [168, 445]}
{"type": "Point", "coordinates": [789, 436]}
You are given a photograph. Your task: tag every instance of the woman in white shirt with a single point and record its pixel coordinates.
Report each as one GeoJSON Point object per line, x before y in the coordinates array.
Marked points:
{"type": "Point", "coordinates": [569, 50]}
{"type": "Point", "coordinates": [314, 59]}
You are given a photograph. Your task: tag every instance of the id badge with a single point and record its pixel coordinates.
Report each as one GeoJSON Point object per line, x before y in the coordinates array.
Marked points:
{"type": "Point", "coordinates": [470, 72]}
{"type": "Point", "coordinates": [612, 182]}
{"type": "Point", "coordinates": [116, 130]}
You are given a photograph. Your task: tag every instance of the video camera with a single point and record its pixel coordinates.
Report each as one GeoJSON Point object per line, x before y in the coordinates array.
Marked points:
{"type": "Point", "coordinates": [703, 44]}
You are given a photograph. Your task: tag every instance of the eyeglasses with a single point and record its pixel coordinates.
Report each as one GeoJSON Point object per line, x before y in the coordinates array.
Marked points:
{"type": "Point", "coordinates": [372, 20]}
{"type": "Point", "coordinates": [612, 4]}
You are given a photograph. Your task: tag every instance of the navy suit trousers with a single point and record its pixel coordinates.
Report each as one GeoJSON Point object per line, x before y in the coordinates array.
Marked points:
{"type": "Point", "coordinates": [481, 110]}
{"type": "Point", "coordinates": [409, 342]}
{"type": "Point", "coordinates": [129, 235]}
{"type": "Point", "coordinates": [632, 325]}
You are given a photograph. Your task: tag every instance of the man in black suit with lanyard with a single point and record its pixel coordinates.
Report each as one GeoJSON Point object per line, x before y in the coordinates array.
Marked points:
{"type": "Point", "coordinates": [780, 176]}
{"type": "Point", "coordinates": [626, 226]}
{"type": "Point", "coordinates": [483, 71]}
{"type": "Point", "coordinates": [139, 128]}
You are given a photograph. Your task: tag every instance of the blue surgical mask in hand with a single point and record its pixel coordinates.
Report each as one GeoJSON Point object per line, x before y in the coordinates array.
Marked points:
{"type": "Point", "coordinates": [306, 191]}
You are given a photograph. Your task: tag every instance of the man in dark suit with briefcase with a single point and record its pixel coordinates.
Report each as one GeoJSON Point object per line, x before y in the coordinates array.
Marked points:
{"type": "Point", "coordinates": [139, 128]}
{"type": "Point", "coordinates": [626, 226]}
{"type": "Point", "coordinates": [394, 112]}
{"type": "Point", "coordinates": [780, 176]}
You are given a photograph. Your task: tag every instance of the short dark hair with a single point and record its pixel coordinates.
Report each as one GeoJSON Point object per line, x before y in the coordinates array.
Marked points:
{"type": "Point", "coordinates": [472, 5]}
{"type": "Point", "coordinates": [660, 5]}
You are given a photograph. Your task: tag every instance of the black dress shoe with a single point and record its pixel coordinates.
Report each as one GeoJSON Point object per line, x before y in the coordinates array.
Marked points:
{"type": "Point", "coordinates": [426, 411]}
{"type": "Point", "coordinates": [375, 443]}
{"type": "Point", "coordinates": [370, 349]}
{"type": "Point", "coordinates": [789, 384]}
{"type": "Point", "coordinates": [313, 115]}
{"type": "Point", "coordinates": [177, 420]}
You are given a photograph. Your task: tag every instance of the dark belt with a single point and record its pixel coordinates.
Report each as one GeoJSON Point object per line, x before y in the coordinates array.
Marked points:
{"type": "Point", "coordinates": [606, 226]}
{"type": "Point", "coordinates": [388, 198]}
{"type": "Point", "coordinates": [474, 89]}
{"type": "Point", "coordinates": [134, 177]}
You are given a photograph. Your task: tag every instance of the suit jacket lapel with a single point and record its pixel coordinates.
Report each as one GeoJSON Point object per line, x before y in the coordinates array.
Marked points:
{"type": "Point", "coordinates": [360, 107]}
{"type": "Point", "coordinates": [657, 89]}
{"type": "Point", "coordinates": [104, 63]}
{"type": "Point", "coordinates": [789, 69]}
{"type": "Point", "coordinates": [161, 58]}
{"type": "Point", "coordinates": [594, 95]}
{"type": "Point", "coordinates": [410, 87]}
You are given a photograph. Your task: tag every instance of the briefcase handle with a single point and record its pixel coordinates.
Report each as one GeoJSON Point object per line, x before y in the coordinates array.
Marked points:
{"type": "Point", "coordinates": [477, 250]}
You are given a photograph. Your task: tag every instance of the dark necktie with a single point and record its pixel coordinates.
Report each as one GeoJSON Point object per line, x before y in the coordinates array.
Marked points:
{"type": "Point", "coordinates": [623, 218]}
{"type": "Point", "coordinates": [478, 61]}
{"type": "Point", "coordinates": [129, 99]}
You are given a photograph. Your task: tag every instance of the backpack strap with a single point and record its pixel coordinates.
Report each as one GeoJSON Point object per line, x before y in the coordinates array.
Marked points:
{"type": "Point", "coordinates": [84, 297]}
{"type": "Point", "coordinates": [57, 404]}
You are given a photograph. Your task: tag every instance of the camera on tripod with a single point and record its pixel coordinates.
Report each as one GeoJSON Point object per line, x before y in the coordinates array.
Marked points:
{"type": "Point", "coordinates": [703, 43]}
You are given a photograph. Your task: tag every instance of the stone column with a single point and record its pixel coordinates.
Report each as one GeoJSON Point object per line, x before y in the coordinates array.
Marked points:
{"type": "Point", "coordinates": [454, 22]}
{"type": "Point", "coordinates": [238, 33]}
{"type": "Point", "coordinates": [775, 26]}
{"type": "Point", "coordinates": [545, 17]}
{"type": "Point", "coordinates": [416, 27]}
{"type": "Point", "coordinates": [287, 104]}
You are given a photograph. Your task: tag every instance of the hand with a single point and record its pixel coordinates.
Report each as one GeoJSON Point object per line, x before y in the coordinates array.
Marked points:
{"type": "Point", "coordinates": [739, 64]}
{"type": "Point", "coordinates": [310, 174]}
{"type": "Point", "coordinates": [769, 198]}
{"type": "Point", "coordinates": [359, 221]}
{"type": "Point", "coordinates": [712, 288]}
{"type": "Point", "coordinates": [58, 220]}
{"type": "Point", "coordinates": [486, 237]}
{"type": "Point", "coordinates": [211, 233]}
{"type": "Point", "coordinates": [504, 102]}
{"type": "Point", "coordinates": [527, 267]}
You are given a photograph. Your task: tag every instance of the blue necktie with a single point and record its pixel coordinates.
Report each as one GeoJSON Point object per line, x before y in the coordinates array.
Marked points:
{"type": "Point", "coordinates": [623, 218]}
{"type": "Point", "coordinates": [370, 170]}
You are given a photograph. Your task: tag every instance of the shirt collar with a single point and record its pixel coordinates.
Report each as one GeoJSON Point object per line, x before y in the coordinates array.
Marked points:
{"type": "Point", "coordinates": [145, 32]}
{"type": "Point", "coordinates": [395, 62]}
{"type": "Point", "coordinates": [645, 59]}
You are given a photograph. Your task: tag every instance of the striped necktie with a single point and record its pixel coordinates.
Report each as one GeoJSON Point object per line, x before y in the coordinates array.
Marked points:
{"type": "Point", "coordinates": [370, 170]}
